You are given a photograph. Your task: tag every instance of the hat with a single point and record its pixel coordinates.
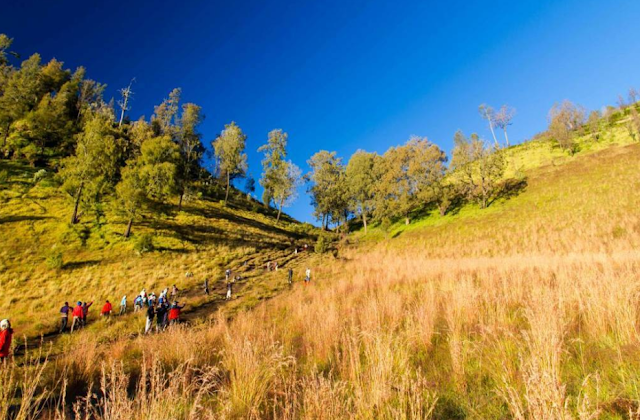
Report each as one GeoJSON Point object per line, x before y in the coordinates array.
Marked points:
{"type": "Point", "coordinates": [79, 303]}
{"type": "Point", "coordinates": [4, 324]}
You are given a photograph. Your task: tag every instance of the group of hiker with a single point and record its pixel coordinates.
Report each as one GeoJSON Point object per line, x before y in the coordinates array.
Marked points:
{"type": "Point", "coordinates": [165, 308]}
{"type": "Point", "coordinates": [159, 308]}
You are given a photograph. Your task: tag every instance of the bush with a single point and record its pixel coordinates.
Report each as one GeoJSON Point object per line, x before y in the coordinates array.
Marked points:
{"type": "Point", "coordinates": [4, 176]}
{"type": "Point", "coordinates": [323, 244]}
{"type": "Point", "coordinates": [54, 260]}
{"type": "Point", "coordinates": [144, 243]}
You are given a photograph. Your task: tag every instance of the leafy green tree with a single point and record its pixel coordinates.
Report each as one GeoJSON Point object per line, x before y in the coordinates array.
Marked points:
{"type": "Point", "coordinates": [361, 178]}
{"type": "Point", "coordinates": [280, 178]}
{"type": "Point", "coordinates": [229, 152]}
{"type": "Point", "coordinates": [327, 186]}
{"type": "Point", "coordinates": [190, 145]}
{"type": "Point", "coordinates": [96, 162]}
{"type": "Point", "coordinates": [477, 167]}
{"type": "Point", "coordinates": [408, 175]}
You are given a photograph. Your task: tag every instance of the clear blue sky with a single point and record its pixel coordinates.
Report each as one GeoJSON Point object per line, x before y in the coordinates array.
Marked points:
{"type": "Point", "coordinates": [344, 75]}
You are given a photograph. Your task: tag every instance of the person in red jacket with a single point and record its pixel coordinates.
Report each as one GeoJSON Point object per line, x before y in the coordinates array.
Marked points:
{"type": "Point", "coordinates": [6, 334]}
{"type": "Point", "coordinates": [174, 313]}
{"type": "Point", "coordinates": [106, 309]}
{"type": "Point", "coordinates": [77, 315]}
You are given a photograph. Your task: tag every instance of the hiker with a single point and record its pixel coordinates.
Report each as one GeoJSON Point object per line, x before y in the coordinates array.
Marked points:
{"type": "Point", "coordinates": [161, 315]}
{"type": "Point", "coordinates": [164, 293]}
{"type": "Point", "coordinates": [276, 265]}
{"type": "Point", "coordinates": [206, 287]}
{"type": "Point", "coordinates": [291, 276]}
{"type": "Point", "coordinates": [295, 251]}
{"type": "Point", "coordinates": [123, 305]}
{"type": "Point", "coordinates": [64, 317]}
{"type": "Point", "coordinates": [77, 316]}
{"type": "Point", "coordinates": [174, 313]}
{"type": "Point", "coordinates": [152, 299]}
{"type": "Point", "coordinates": [227, 274]}
{"type": "Point", "coordinates": [6, 334]}
{"type": "Point", "coordinates": [151, 313]}
{"type": "Point", "coordinates": [174, 292]}
{"type": "Point", "coordinates": [137, 303]}
{"type": "Point", "coordinates": [268, 265]}
{"type": "Point", "coordinates": [85, 312]}
{"type": "Point", "coordinates": [307, 278]}
{"type": "Point", "coordinates": [229, 287]}
{"type": "Point", "coordinates": [106, 309]}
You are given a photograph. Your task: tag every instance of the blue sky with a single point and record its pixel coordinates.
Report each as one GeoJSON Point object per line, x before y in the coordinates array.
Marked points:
{"type": "Point", "coordinates": [344, 75]}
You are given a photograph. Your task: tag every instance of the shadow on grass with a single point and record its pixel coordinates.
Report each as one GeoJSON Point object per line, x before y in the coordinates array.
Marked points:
{"type": "Point", "coordinates": [72, 265]}
{"type": "Point", "coordinates": [13, 219]}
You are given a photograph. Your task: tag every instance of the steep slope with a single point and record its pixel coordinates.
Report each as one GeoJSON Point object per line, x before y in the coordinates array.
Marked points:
{"type": "Point", "coordinates": [45, 261]}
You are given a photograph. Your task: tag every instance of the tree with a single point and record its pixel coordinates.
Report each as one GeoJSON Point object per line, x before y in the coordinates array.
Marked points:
{"type": "Point", "coordinates": [361, 180]}
{"type": "Point", "coordinates": [190, 145]}
{"type": "Point", "coordinates": [478, 167]}
{"type": "Point", "coordinates": [229, 151]}
{"type": "Point", "coordinates": [593, 122]}
{"type": "Point", "coordinates": [126, 94]}
{"type": "Point", "coordinates": [327, 186]}
{"type": "Point", "coordinates": [250, 185]}
{"type": "Point", "coordinates": [564, 121]}
{"type": "Point", "coordinates": [633, 124]}
{"type": "Point", "coordinates": [150, 176]}
{"type": "Point", "coordinates": [408, 175]}
{"type": "Point", "coordinates": [96, 162]}
{"type": "Point", "coordinates": [487, 113]}
{"type": "Point", "coordinates": [502, 119]}
{"type": "Point", "coordinates": [280, 178]}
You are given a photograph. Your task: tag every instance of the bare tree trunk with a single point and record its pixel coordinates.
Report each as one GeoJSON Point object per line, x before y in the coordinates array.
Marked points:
{"type": "Point", "coordinates": [506, 137]}
{"type": "Point", "coordinates": [279, 211]}
{"type": "Point", "coordinates": [180, 201]}
{"type": "Point", "coordinates": [226, 196]}
{"type": "Point", "coordinates": [127, 233]}
{"type": "Point", "coordinates": [493, 133]}
{"type": "Point", "coordinates": [364, 221]}
{"type": "Point", "coordinates": [74, 217]}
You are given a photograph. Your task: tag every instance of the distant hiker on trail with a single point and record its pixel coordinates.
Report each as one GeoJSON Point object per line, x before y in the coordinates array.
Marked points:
{"type": "Point", "coordinates": [206, 287]}
{"type": "Point", "coordinates": [268, 265]}
{"type": "Point", "coordinates": [307, 277]}
{"type": "Point", "coordinates": [137, 303]}
{"type": "Point", "coordinates": [151, 313]}
{"type": "Point", "coordinates": [77, 316]}
{"type": "Point", "coordinates": [161, 317]}
{"type": "Point", "coordinates": [64, 317]}
{"type": "Point", "coordinates": [291, 276]}
{"type": "Point", "coordinates": [152, 299]}
{"type": "Point", "coordinates": [85, 311]}
{"type": "Point", "coordinates": [174, 313]}
{"type": "Point", "coordinates": [227, 274]}
{"type": "Point", "coordinates": [106, 309]}
{"type": "Point", "coordinates": [229, 287]}
{"type": "Point", "coordinates": [6, 335]}
{"type": "Point", "coordinates": [276, 265]}
{"type": "Point", "coordinates": [123, 305]}
{"type": "Point", "coordinates": [174, 292]}
{"type": "Point", "coordinates": [236, 278]}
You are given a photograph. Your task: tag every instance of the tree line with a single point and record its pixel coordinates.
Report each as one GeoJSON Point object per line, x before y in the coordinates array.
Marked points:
{"type": "Point", "coordinates": [53, 117]}
{"type": "Point", "coordinates": [418, 175]}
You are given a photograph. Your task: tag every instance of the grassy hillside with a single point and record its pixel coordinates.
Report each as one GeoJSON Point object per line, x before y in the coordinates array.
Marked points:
{"type": "Point", "coordinates": [45, 261]}
{"type": "Point", "coordinates": [528, 309]}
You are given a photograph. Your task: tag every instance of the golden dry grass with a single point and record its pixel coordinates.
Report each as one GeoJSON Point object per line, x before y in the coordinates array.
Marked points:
{"type": "Point", "coordinates": [528, 311]}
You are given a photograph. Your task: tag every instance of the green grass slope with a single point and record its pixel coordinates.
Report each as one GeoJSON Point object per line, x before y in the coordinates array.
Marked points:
{"type": "Point", "coordinates": [98, 263]}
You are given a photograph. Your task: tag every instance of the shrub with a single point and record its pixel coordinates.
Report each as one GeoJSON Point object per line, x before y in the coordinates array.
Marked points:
{"type": "Point", "coordinates": [143, 243]}
{"type": "Point", "coordinates": [54, 260]}
{"type": "Point", "coordinates": [323, 244]}
{"type": "Point", "coordinates": [4, 176]}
